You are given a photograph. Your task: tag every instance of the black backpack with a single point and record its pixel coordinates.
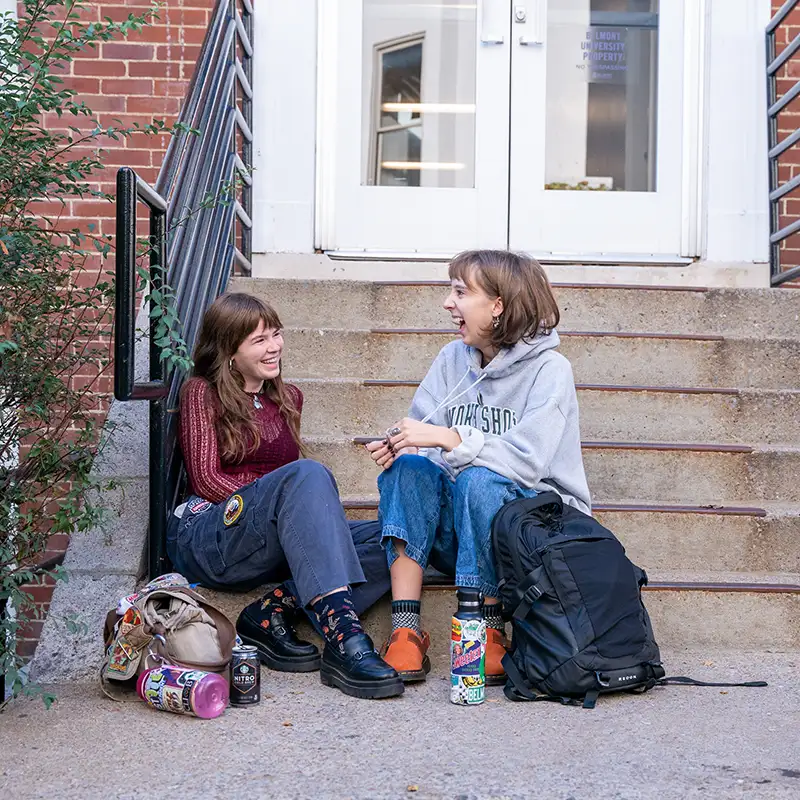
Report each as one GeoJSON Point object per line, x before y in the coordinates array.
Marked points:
{"type": "Point", "coordinates": [580, 628]}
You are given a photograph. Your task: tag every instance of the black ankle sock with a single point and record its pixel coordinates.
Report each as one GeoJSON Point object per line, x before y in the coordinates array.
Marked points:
{"type": "Point", "coordinates": [278, 599]}
{"type": "Point", "coordinates": [406, 614]}
{"type": "Point", "coordinates": [494, 617]}
{"type": "Point", "coordinates": [337, 617]}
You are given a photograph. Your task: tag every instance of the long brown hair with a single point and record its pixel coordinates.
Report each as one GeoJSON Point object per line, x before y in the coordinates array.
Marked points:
{"type": "Point", "coordinates": [228, 321]}
{"type": "Point", "coordinates": [519, 280]}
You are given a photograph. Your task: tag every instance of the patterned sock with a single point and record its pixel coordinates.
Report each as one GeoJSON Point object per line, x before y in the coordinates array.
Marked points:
{"type": "Point", "coordinates": [337, 617]}
{"type": "Point", "coordinates": [492, 613]}
{"type": "Point", "coordinates": [280, 599]}
{"type": "Point", "coordinates": [406, 614]}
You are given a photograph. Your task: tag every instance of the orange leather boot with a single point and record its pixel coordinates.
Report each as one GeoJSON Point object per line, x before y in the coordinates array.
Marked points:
{"type": "Point", "coordinates": [408, 654]}
{"type": "Point", "coordinates": [496, 647]}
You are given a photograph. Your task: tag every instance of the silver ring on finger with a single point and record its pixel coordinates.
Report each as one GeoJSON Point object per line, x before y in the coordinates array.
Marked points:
{"type": "Point", "coordinates": [393, 432]}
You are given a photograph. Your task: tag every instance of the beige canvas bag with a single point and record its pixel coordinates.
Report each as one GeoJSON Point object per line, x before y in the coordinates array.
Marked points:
{"type": "Point", "coordinates": [167, 623]}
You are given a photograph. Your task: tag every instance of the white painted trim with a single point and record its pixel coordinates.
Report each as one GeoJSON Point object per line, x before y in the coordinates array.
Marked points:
{"type": "Point", "coordinates": [694, 127]}
{"type": "Point", "coordinates": [284, 126]}
{"type": "Point", "coordinates": [327, 83]}
{"type": "Point", "coordinates": [544, 257]}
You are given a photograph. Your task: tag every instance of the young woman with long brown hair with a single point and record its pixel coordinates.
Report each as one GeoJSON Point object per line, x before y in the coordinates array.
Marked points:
{"type": "Point", "coordinates": [259, 511]}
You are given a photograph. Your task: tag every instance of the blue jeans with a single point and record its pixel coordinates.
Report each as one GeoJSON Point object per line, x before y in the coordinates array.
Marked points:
{"type": "Point", "coordinates": [443, 522]}
{"type": "Point", "coordinates": [288, 523]}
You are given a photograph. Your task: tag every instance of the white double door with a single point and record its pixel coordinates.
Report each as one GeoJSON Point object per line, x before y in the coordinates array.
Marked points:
{"type": "Point", "coordinates": [551, 126]}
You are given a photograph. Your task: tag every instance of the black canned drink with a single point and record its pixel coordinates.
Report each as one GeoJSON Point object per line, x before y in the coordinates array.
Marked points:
{"type": "Point", "coordinates": [245, 676]}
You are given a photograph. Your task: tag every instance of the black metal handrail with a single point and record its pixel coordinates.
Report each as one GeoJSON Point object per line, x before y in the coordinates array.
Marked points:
{"type": "Point", "coordinates": [200, 214]}
{"type": "Point", "coordinates": [775, 105]}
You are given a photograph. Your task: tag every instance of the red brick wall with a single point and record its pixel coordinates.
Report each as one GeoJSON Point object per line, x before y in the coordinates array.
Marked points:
{"type": "Point", "coordinates": [788, 122]}
{"type": "Point", "coordinates": [134, 80]}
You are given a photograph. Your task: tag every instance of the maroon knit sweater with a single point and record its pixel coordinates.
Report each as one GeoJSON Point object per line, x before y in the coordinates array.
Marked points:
{"type": "Point", "coordinates": [210, 476]}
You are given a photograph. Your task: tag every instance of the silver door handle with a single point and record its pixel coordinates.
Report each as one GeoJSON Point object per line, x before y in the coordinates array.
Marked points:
{"type": "Point", "coordinates": [488, 38]}
{"type": "Point", "coordinates": [536, 22]}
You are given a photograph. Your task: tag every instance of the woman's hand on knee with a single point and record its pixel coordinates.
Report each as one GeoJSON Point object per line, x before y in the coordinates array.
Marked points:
{"type": "Point", "coordinates": [384, 455]}
{"type": "Point", "coordinates": [381, 453]}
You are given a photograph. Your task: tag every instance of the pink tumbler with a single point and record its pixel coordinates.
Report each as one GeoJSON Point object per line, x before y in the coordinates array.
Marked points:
{"type": "Point", "coordinates": [184, 691]}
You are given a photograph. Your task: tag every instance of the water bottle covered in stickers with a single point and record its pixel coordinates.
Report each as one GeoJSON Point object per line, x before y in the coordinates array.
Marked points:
{"type": "Point", "coordinates": [468, 650]}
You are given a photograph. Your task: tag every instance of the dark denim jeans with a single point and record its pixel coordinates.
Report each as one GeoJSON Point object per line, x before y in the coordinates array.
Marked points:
{"type": "Point", "coordinates": [287, 524]}
{"type": "Point", "coordinates": [445, 523]}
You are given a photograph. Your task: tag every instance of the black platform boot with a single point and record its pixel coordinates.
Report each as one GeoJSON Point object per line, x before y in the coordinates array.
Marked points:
{"type": "Point", "coordinates": [349, 660]}
{"type": "Point", "coordinates": [272, 633]}
{"type": "Point", "coordinates": [356, 668]}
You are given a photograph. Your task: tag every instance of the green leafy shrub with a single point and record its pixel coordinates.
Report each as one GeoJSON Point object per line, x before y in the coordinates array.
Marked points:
{"type": "Point", "coordinates": [56, 300]}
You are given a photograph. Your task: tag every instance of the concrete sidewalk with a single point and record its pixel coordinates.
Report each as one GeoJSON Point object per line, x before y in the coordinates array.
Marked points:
{"type": "Point", "coordinates": [308, 741]}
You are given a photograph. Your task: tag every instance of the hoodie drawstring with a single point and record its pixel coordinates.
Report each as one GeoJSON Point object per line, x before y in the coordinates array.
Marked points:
{"type": "Point", "coordinates": [450, 399]}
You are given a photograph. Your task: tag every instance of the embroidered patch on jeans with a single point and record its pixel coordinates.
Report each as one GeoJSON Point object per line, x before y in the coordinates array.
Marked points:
{"type": "Point", "coordinates": [233, 509]}
{"type": "Point", "coordinates": [198, 506]}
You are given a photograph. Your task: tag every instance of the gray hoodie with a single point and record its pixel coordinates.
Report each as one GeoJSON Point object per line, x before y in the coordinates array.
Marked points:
{"type": "Point", "coordinates": [518, 416]}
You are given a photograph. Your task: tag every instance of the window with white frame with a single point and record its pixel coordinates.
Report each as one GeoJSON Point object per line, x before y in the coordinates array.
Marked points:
{"type": "Point", "coordinates": [397, 118]}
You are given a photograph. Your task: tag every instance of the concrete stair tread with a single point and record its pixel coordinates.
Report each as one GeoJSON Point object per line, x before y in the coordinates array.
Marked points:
{"type": "Point", "coordinates": [563, 333]}
{"type": "Point", "coordinates": [614, 358]}
{"type": "Point", "coordinates": [581, 387]}
{"type": "Point", "coordinates": [603, 305]}
{"type": "Point", "coordinates": [350, 406]}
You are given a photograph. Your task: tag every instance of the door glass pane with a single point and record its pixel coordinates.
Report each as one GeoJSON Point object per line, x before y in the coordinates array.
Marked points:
{"type": "Point", "coordinates": [418, 121]}
{"type": "Point", "coordinates": [602, 78]}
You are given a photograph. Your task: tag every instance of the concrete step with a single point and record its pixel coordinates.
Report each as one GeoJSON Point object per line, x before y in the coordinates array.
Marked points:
{"type": "Point", "coordinates": [346, 407]}
{"type": "Point", "coordinates": [675, 537]}
{"type": "Point", "coordinates": [633, 359]}
{"type": "Point", "coordinates": [688, 609]}
{"type": "Point", "coordinates": [362, 304]}
{"type": "Point", "coordinates": [650, 472]}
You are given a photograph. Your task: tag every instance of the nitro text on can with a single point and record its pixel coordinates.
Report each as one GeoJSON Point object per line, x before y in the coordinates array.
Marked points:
{"type": "Point", "coordinates": [245, 676]}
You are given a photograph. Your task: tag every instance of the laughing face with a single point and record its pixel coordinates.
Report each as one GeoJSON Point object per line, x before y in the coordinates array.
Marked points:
{"type": "Point", "coordinates": [472, 311]}
{"type": "Point", "coordinates": [258, 358]}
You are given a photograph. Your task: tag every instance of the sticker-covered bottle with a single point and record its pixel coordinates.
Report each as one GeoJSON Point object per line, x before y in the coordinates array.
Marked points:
{"type": "Point", "coordinates": [184, 691]}
{"type": "Point", "coordinates": [468, 650]}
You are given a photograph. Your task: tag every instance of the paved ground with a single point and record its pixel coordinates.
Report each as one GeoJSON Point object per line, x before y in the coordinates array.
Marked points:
{"type": "Point", "coordinates": [308, 741]}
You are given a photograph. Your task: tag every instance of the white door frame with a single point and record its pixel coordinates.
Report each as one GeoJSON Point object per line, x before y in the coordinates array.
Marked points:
{"type": "Point", "coordinates": [694, 154]}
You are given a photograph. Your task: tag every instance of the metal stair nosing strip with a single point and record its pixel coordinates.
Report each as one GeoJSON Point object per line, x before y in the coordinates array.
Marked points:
{"type": "Point", "coordinates": [625, 508]}
{"type": "Point", "coordinates": [693, 337]}
{"type": "Point", "coordinates": [585, 387]}
{"type": "Point", "coordinates": [562, 285]}
{"type": "Point", "coordinates": [689, 586]}
{"type": "Point", "coordinates": [667, 446]}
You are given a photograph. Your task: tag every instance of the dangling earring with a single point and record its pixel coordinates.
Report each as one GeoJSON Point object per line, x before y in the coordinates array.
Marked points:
{"type": "Point", "coordinates": [230, 364]}
{"type": "Point", "coordinates": [496, 322]}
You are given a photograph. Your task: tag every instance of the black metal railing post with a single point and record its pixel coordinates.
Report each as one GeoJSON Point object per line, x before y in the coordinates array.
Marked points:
{"type": "Point", "coordinates": [193, 245]}
{"type": "Point", "coordinates": [5, 644]}
{"type": "Point", "coordinates": [775, 105]}
{"type": "Point", "coordinates": [157, 545]}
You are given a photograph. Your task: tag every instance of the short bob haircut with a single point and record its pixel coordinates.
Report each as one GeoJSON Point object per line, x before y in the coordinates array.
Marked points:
{"type": "Point", "coordinates": [519, 280]}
